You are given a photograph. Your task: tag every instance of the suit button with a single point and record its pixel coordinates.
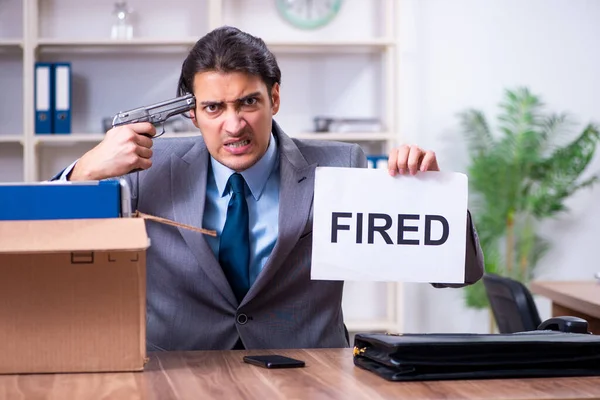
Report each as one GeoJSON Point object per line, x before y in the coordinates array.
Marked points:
{"type": "Point", "coordinates": [242, 319]}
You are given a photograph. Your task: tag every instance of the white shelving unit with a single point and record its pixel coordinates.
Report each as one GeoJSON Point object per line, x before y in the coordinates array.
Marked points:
{"type": "Point", "coordinates": [347, 69]}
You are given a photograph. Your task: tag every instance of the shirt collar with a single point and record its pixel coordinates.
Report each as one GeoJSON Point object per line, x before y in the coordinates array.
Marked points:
{"type": "Point", "coordinates": [256, 176]}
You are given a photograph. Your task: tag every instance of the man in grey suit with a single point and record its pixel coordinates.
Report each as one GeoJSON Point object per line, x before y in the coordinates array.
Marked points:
{"type": "Point", "coordinates": [196, 298]}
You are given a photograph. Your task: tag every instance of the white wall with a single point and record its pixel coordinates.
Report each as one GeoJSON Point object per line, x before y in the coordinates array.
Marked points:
{"type": "Point", "coordinates": [463, 53]}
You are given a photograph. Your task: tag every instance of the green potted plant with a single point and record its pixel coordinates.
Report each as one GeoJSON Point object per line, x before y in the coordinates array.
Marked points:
{"type": "Point", "coordinates": [519, 177]}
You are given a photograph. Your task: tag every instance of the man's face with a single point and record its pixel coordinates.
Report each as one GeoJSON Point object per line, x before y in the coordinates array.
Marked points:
{"type": "Point", "coordinates": [234, 113]}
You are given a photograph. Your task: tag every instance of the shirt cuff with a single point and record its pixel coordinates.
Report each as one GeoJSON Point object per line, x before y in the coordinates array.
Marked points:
{"type": "Point", "coordinates": [64, 176]}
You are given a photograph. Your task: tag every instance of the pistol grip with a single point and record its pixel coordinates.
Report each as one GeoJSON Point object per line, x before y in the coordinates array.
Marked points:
{"type": "Point", "coordinates": [139, 169]}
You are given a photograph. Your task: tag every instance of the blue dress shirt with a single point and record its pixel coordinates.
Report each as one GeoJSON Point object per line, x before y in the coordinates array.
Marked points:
{"type": "Point", "coordinates": [262, 196]}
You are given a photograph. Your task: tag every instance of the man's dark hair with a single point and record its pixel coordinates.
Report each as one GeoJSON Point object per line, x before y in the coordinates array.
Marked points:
{"type": "Point", "coordinates": [228, 49]}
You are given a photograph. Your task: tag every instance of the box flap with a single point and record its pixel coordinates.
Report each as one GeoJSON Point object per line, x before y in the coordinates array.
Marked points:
{"type": "Point", "coordinates": [73, 235]}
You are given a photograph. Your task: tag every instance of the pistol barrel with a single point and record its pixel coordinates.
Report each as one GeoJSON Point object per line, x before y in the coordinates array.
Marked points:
{"type": "Point", "coordinates": [156, 113]}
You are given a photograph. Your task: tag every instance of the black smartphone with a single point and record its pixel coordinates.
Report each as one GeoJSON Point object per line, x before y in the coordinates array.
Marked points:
{"type": "Point", "coordinates": [274, 361]}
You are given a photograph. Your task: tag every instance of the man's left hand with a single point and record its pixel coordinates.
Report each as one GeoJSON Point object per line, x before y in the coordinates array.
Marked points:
{"type": "Point", "coordinates": [410, 159]}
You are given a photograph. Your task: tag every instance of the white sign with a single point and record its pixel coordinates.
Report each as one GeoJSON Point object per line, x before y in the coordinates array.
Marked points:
{"type": "Point", "coordinates": [370, 226]}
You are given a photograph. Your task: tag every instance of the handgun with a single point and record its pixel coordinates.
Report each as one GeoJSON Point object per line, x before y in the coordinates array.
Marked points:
{"type": "Point", "coordinates": [157, 113]}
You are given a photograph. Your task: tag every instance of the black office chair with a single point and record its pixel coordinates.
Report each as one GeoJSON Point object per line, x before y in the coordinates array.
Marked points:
{"type": "Point", "coordinates": [515, 311]}
{"type": "Point", "coordinates": [512, 304]}
{"type": "Point", "coordinates": [347, 335]}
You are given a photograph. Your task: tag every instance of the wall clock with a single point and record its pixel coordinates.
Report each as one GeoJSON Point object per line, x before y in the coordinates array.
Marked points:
{"type": "Point", "coordinates": [308, 14]}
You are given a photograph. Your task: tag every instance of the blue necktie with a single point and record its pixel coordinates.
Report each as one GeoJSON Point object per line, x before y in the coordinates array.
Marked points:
{"type": "Point", "coordinates": [234, 248]}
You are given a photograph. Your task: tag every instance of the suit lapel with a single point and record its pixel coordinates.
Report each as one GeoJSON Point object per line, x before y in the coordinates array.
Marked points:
{"type": "Point", "coordinates": [296, 189]}
{"type": "Point", "coordinates": [188, 178]}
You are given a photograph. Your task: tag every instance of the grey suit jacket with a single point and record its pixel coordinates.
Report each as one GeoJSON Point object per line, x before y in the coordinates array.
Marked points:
{"type": "Point", "coordinates": [190, 305]}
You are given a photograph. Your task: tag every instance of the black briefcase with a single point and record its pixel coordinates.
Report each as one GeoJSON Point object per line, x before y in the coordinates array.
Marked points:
{"type": "Point", "coordinates": [417, 357]}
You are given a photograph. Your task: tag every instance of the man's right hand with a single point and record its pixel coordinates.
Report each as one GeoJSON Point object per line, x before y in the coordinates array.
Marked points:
{"type": "Point", "coordinates": [124, 149]}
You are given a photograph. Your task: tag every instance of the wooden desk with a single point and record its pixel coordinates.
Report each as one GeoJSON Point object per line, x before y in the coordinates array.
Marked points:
{"type": "Point", "coordinates": [329, 374]}
{"type": "Point", "coordinates": [578, 299]}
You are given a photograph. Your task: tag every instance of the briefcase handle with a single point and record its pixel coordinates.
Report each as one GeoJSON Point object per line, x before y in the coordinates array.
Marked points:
{"type": "Point", "coordinates": [565, 324]}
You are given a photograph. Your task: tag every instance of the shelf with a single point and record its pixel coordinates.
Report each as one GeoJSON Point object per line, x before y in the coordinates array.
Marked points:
{"type": "Point", "coordinates": [11, 139]}
{"type": "Point", "coordinates": [161, 45]}
{"type": "Point", "coordinates": [340, 46]}
{"type": "Point", "coordinates": [346, 136]}
{"type": "Point", "coordinates": [70, 138]}
{"type": "Point", "coordinates": [92, 137]}
{"type": "Point", "coordinates": [157, 45]}
{"type": "Point", "coordinates": [11, 44]}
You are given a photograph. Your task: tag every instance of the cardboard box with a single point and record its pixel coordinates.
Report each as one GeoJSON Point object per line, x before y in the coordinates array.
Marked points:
{"type": "Point", "coordinates": [73, 295]}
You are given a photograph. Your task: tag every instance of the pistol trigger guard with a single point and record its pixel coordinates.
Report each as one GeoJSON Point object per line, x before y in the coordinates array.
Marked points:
{"type": "Point", "coordinates": [162, 128]}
